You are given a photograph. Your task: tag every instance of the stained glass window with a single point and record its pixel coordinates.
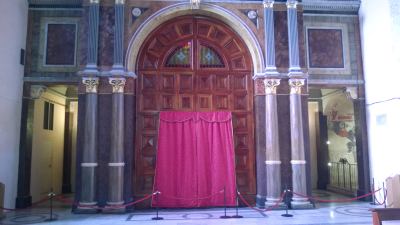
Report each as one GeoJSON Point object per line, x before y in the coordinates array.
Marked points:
{"type": "Point", "coordinates": [210, 58]}
{"type": "Point", "coordinates": [180, 57]}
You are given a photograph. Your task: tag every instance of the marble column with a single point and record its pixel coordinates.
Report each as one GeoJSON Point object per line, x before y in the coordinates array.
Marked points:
{"type": "Point", "coordinates": [294, 60]}
{"type": "Point", "coordinates": [269, 38]}
{"type": "Point", "coordinates": [93, 37]}
{"type": "Point", "coordinates": [116, 163]}
{"type": "Point", "coordinates": [119, 35]}
{"type": "Point", "coordinates": [297, 142]}
{"type": "Point", "coordinates": [272, 163]}
{"type": "Point", "coordinates": [89, 155]}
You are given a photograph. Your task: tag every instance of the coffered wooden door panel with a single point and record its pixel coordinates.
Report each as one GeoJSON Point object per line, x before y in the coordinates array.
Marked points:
{"type": "Point", "coordinates": [194, 64]}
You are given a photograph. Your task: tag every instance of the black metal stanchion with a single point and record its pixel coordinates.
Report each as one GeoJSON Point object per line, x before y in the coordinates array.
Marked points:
{"type": "Point", "coordinates": [51, 195]}
{"type": "Point", "coordinates": [157, 217]}
{"type": "Point", "coordinates": [224, 216]}
{"type": "Point", "coordinates": [373, 189]}
{"type": "Point", "coordinates": [287, 204]}
{"type": "Point", "coordinates": [237, 206]}
{"type": "Point", "coordinates": [384, 194]}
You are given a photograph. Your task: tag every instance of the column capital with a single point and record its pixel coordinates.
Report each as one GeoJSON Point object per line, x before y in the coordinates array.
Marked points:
{"type": "Point", "coordinates": [268, 4]}
{"type": "Point", "coordinates": [351, 93]}
{"type": "Point", "coordinates": [36, 91]}
{"type": "Point", "coordinates": [94, 1]}
{"type": "Point", "coordinates": [291, 4]}
{"type": "Point", "coordinates": [119, 2]}
{"type": "Point", "coordinates": [195, 4]}
{"type": "Point", "coordinates": [91, 84]}
{"type": "Point", "coordinates": [118, 84]}
{"type": "Point", "coordinates": [295, 85]}
{"type": "Point", "coordinates": [270, 86]}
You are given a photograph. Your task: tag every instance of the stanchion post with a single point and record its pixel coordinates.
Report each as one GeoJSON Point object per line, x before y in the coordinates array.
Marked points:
{"type": "Point", "coordinates": [286, 191]}
{"type": "Point", "coordinates": [51, 196]}
{"type": "Point", "coordinates": [237, 206]}
{"type": "Point", "coordinates": [157, 217]}
{"type": "Point", "coordinates": [384, 194]}
{"type": "Point", "coordinates": [372, 190]}
{"type": "Point", "coordinates": [225, 216]}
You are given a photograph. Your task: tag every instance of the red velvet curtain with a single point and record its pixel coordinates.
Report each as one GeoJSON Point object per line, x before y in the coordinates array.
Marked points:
{"type": "Point", "coordinates": [195, 160]}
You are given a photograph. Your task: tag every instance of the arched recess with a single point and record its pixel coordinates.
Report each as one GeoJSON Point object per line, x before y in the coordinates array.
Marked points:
{"type": "Point", "coordinates": [194, 63]}
{"type": "Point", "coordinates": [206, 9]}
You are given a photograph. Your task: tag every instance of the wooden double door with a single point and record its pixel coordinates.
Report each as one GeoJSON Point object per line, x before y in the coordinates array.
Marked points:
{"type": "Point", "coordinates": [194, 63]}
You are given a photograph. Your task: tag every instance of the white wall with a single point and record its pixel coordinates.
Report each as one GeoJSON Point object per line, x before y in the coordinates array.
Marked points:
{"type": "Point", "coordinates": [47, 148]}
{"type": "Point", "coordinates": [380, 27]}
{"type": "Point", "coordinates": [13, 27]}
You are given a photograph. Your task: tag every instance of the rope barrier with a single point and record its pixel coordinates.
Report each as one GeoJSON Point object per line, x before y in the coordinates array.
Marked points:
{"type": "Point", "coordinates": [276, 205]}
{"type": "Point", "coordinates": [108, 206]}
{"type": "Point", "coordinates": [31, 206]}
{"type": "Point", "coordinates": [198, 198]}
{"type": "Point", "coordinates": [384, 197]}
{"type": "Point", "coordinates": [336, 200]}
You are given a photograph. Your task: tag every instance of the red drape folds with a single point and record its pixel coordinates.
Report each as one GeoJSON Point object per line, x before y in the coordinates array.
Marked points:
{"type": "Point", "coordinates": [195, 160]}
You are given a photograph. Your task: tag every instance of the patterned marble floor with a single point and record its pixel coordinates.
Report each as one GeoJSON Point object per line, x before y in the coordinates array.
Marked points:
{"type": "Point", "coordinates": [354, 213]}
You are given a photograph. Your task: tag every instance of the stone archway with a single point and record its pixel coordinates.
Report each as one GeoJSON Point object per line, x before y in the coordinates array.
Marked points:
{"type": "Point", "coordinates": [194, 63]}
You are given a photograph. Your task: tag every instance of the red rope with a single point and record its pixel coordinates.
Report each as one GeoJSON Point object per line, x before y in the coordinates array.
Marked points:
{"type": "Point", "coordinates": [337, 200]}
{"type": "Point", "coordinates": [31, 206]}
{"type": "Point", "coordinates": [276, 205]}
{"type": "Point", "coordinates": [61, 199]}
{"type": "Point", "coordinates": [384, 198]}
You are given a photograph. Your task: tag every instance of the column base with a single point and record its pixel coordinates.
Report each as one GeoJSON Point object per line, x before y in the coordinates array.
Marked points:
{"type": "Point", "coordinates": [260, 201]}
{"type": "Point", "coordinates": [114, 209]}
{"type": "Point", "coordinates": [301, 203]}
{"type": "Point", "coordinates": [274, 205]}
{"type": "Point", "coordinates": [86, 208]}
{"type": "Point", "coordinates": [23, 202]}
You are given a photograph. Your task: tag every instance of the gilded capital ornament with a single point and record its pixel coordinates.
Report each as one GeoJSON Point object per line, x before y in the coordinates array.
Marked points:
{"type": "Point", "coordinates": [270, 86]}
{"type": "Point", "coordinates": [91, 84]}
{"type": "Point", "coordinates": [120, 2]}
{"type": "Point", "coordinates": [94, 1]}
{"type": "Point", "coordinates": [268, 4]}
{"type": "Point", "coordinates": [295, 86]}
{"type": "Point", "coordinates": [118, 84]}
{"type": "Point", "coordinates": [291, 4]}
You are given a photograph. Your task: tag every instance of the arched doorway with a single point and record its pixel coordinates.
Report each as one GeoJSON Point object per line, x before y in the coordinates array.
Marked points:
{"type": "Point", "coordinates": [194, 63]}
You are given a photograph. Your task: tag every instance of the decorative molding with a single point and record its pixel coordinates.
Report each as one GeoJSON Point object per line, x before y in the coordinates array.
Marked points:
{"type": "Point", "coordinates": [273, 162]}
{"type": "Point", "coordinates": [118, 84]}
{"type": "Point", "coordinates": [37, 91]}
{"type": "Point", "coordinates": [195, 4]}
{"type": "Point", "coordinates": [270, 86]}
{"type": "Point", "coordinates": [91, 84]}
{"type": "Point", "coordinates": [116, 164]}
{"type": "Point", "coordinates": [89, 164]}
{"type": "Point", "coordinates": [332, 6]}
{"type": "Point", "coordinates": [87, 203]}
{"type": "Point", "coordinates": [291, 4]}
{"type": "Point", "coordinates": [268, 3]}
{"type": "Point", "coordinates": [295, 85]}
{"type": "Point", "coordinates": [115, 203]}
{"type": "Point", "coordinates": [298, 162]}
